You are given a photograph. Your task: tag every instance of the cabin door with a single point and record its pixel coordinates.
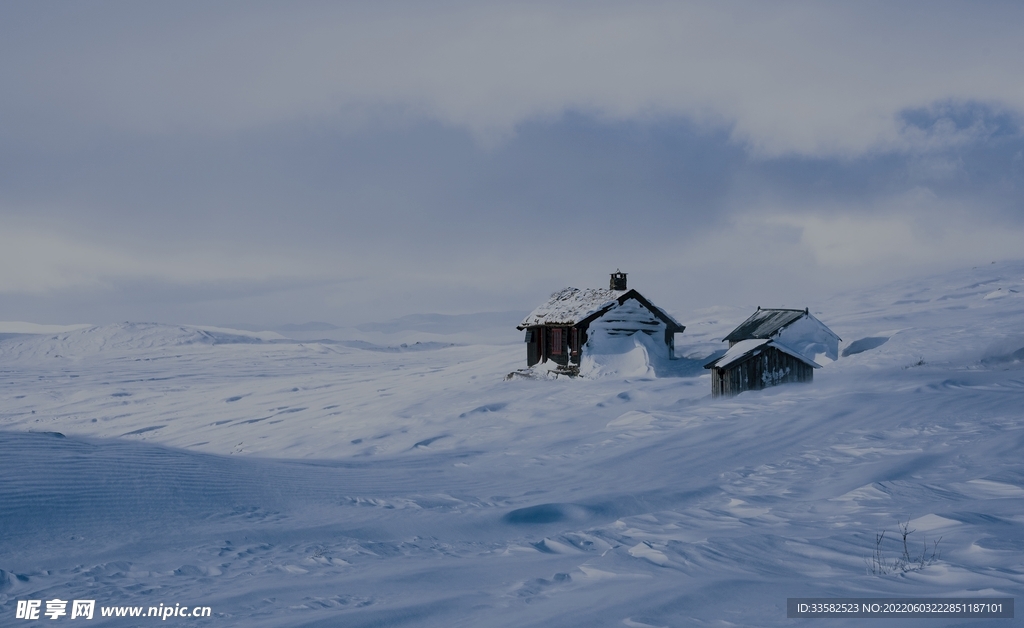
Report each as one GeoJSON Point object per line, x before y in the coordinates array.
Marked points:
{"type": "Point", "coordinates": [533, 345]}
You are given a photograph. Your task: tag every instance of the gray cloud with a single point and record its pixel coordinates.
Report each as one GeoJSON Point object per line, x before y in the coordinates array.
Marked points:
{"type": "Point", "coordinates": [269, 163]}
{"type": "Point", "coordinates": [785, 77]}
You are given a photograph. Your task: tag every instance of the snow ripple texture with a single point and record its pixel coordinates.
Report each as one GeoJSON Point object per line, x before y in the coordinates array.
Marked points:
{"type": "Point", "coordinates": [316, 484]}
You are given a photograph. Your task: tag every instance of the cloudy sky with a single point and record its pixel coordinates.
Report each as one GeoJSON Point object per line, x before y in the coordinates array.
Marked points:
{"type": "Point", "coordinates": [285, 162]}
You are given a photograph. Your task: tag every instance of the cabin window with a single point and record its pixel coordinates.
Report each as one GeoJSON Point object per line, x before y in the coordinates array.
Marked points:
{"type": "Point", "coordinates": [529, 335]}
{"type": "Point", "coordinates": [556, 341]}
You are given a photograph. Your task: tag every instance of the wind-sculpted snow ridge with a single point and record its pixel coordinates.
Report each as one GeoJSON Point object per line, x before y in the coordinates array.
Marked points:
{"type": "Point", "coordinates": [122, 337]}
{"type": "Point", "coordinates": [414, 346]}
{"type": "Point", "coordinates": [314, 484]}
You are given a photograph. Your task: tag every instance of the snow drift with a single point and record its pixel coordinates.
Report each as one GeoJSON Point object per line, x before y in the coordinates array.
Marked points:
{"type": "Point", "coordinates": [315, 484]}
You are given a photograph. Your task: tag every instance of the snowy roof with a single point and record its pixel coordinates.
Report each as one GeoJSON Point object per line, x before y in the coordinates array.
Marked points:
{"type": "Point", "coordinates": [572, 305]}
{"type": "Point", "coordinates": [743, 348]}
{"type": "Point", "coordinates": [764, 323]}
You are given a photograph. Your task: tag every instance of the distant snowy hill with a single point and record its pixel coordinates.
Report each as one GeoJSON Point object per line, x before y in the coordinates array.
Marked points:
{"type": "Point", "coordinates": [84, 340]}
{"type": "Point", "coordinates": [18, 327]}
{"type": "Point", "coordinates": [447, 323]}
{"type": "Point", "coordinates": [313, 326]}
{"type": "Point", "coordinates": [288, 483]}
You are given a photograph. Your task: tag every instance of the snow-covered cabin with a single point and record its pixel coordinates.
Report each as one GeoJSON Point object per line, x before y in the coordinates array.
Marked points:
{"type": "Point", "coordinates": [773, 346]}
{"type": "Point", "coordinates": [573, 319]}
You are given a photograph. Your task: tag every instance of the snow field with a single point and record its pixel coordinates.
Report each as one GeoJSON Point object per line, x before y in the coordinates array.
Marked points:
{"type": "Point", "coordinates": [306, 484]}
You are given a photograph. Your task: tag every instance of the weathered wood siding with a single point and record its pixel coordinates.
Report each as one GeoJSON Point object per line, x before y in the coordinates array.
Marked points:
{"type": "Point", "coordinates": [558, 344]}
{"type": "Point", "coordinates": [769, 367]}
{"type": "Point", "coordinates": [533, 349]}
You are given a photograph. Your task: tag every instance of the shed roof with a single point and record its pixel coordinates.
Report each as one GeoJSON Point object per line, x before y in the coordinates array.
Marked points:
{"type": "Point", "coordinates": [764, 323]}
{"type": "Point", "coordinates": [572, 306]}
{"type": "Point", "coordinates": [745, 348]}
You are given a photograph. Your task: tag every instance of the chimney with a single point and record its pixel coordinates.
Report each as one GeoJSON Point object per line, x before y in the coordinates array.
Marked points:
{"type": "Point", "coordinates": [618, 281]}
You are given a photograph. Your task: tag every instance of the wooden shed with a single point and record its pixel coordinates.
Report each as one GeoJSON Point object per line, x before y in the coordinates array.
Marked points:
{"type": "Point", "coordinates": [798, 330]}
{"type": "Point", "coordinates": [771, 347]}
{"type": "Point", "coordinates": [755, 364]}
{"type": "Point", "coordinates": [559, 329]}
